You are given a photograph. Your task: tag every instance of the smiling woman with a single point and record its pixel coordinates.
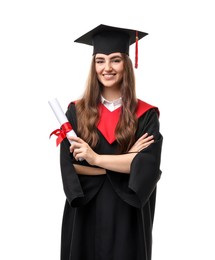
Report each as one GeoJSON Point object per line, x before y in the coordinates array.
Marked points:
{"type": "Point", "coordinates": [111, 194]}
{"type": "Point", "coordinates": [109, 69]}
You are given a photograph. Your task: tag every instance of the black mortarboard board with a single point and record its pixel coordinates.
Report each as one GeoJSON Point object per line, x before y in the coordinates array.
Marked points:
{"type": "Point", "coordinates": [108, 39]}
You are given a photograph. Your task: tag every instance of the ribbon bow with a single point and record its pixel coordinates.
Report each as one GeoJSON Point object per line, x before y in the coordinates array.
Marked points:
{"type": "Point", "coordinates": [61, 133]}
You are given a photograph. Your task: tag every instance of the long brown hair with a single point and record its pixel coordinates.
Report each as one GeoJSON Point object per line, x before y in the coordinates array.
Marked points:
{"type": "Point", "coordinates": [88, 114]}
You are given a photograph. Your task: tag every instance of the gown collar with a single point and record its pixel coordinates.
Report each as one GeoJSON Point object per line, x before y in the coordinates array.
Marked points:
{"type": "Point", "coordinates": [111, 105]}
{"type": "Point", "coordinates": [109, 119]}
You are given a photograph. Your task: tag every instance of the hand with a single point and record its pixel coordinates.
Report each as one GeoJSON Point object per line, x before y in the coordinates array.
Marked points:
{"type": "Point", "coordinates": [143, 142]}
{"type": "Point", "coordinates": [81, 150]}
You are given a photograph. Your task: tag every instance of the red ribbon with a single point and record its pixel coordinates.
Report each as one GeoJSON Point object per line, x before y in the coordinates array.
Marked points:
{"type": "Point", "coordinates": [61, 133]}
{"type": "Point", "coordinates": [136, 50]}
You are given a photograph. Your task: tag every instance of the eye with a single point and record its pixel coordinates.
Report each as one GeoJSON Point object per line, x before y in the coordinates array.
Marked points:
{"type": "Point", "coordinates": [99, 61]}
{"type": "Point", "coordinates": [116, 60]}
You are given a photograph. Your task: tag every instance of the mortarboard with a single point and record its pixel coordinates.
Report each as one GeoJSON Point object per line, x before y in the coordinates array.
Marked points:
{"type": "Point", "coordinates": [108, 39]}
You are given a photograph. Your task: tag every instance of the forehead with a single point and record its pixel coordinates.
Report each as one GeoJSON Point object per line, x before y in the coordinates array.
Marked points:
{"type": "Point", "coordinates": [108, 56]}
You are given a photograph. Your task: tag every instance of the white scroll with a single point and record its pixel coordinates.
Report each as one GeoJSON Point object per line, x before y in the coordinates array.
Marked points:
{"type": "Point", "coordinates": [62, 119]}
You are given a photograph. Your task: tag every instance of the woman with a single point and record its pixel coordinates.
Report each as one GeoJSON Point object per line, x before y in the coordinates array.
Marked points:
{"type": "Point", "coordinates": [111, 170]}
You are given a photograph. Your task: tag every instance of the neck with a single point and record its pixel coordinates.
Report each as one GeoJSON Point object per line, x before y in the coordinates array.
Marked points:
{"type": "Point", "coordinates": [111, 94]}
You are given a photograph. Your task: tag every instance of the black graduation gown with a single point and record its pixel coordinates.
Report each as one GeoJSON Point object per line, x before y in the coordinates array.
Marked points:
{"type": "Point", "coordinates": [110, 217]}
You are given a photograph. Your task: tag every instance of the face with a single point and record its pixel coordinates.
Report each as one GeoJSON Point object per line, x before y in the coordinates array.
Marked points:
{"type": "Point", "coordinates": [109, 69]}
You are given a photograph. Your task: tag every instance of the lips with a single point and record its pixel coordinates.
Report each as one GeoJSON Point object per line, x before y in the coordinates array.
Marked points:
{"type": "Point", "coordinates": [108, 76]}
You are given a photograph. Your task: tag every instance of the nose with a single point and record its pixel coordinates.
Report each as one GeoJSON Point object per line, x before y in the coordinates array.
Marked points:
{"type": "Point", "coordinates": [108, 65]}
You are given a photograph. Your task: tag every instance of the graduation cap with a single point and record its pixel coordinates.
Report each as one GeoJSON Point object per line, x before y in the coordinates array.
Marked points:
{"type": "Point", "coordinates": [108, 39]}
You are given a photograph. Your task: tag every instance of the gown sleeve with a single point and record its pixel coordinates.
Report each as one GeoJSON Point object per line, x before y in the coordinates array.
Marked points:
{"type": "Point", "coordinates": [79, 189]}
{"type": "Point", "coordinates": [137, 187]}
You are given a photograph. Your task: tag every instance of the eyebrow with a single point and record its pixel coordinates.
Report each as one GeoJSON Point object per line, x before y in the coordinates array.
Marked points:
{"type": "Point", "coordinates": [114, 57]}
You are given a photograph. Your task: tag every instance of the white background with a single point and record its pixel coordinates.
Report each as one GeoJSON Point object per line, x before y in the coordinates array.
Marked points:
{"type": "Point", "coordinates": [39, 60]}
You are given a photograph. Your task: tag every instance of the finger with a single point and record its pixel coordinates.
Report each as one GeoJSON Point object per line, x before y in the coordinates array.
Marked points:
{"type": "Point", "coordinates": [76, 139]}
{"type": "Point", "coordinates": [74, 146]}
{"type": "Point", "coordinates": [143, 136]}
{"type": "Point", "coordinates": [77, 152]}
{"type": "Point", "coordinates": [149, 142]}
{"type": "Point", "coordinates": [73, 138]}
{"type": "Point", "coordinates": [147, 139]}
{"type": "Point", "coordinates": [145, 145]}
{"type": "Point", "coordinates": [150, 138]}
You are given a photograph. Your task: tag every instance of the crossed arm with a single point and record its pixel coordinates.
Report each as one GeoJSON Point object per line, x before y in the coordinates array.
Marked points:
{"type": "Point", "coordinates": [119, 163]}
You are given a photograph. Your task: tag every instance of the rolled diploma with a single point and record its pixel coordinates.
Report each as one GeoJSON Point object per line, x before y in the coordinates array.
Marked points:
{"type": "Point", "coordinates": [58, 111]}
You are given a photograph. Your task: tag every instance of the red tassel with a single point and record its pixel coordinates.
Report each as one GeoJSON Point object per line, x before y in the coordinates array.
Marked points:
{"type": "Point", "coordinates": [136, 50]}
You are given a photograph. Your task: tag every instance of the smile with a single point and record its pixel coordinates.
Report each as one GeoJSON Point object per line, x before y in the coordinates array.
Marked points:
{"type": "Point", "coordinates": [108, 76]}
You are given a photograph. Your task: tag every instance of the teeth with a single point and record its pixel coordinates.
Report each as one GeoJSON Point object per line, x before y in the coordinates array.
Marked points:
{"type": "Point", "coordinates": [108, 75]}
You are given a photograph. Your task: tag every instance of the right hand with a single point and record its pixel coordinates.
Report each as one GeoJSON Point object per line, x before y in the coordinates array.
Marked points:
{"type": "Point", "coordinates": [143, 142]}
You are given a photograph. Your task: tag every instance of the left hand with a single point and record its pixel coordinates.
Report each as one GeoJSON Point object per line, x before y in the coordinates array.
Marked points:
{"type": "Point", "coordinates": [143, 142]}
{"type": "Point", "coordinates": [81, 149]}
